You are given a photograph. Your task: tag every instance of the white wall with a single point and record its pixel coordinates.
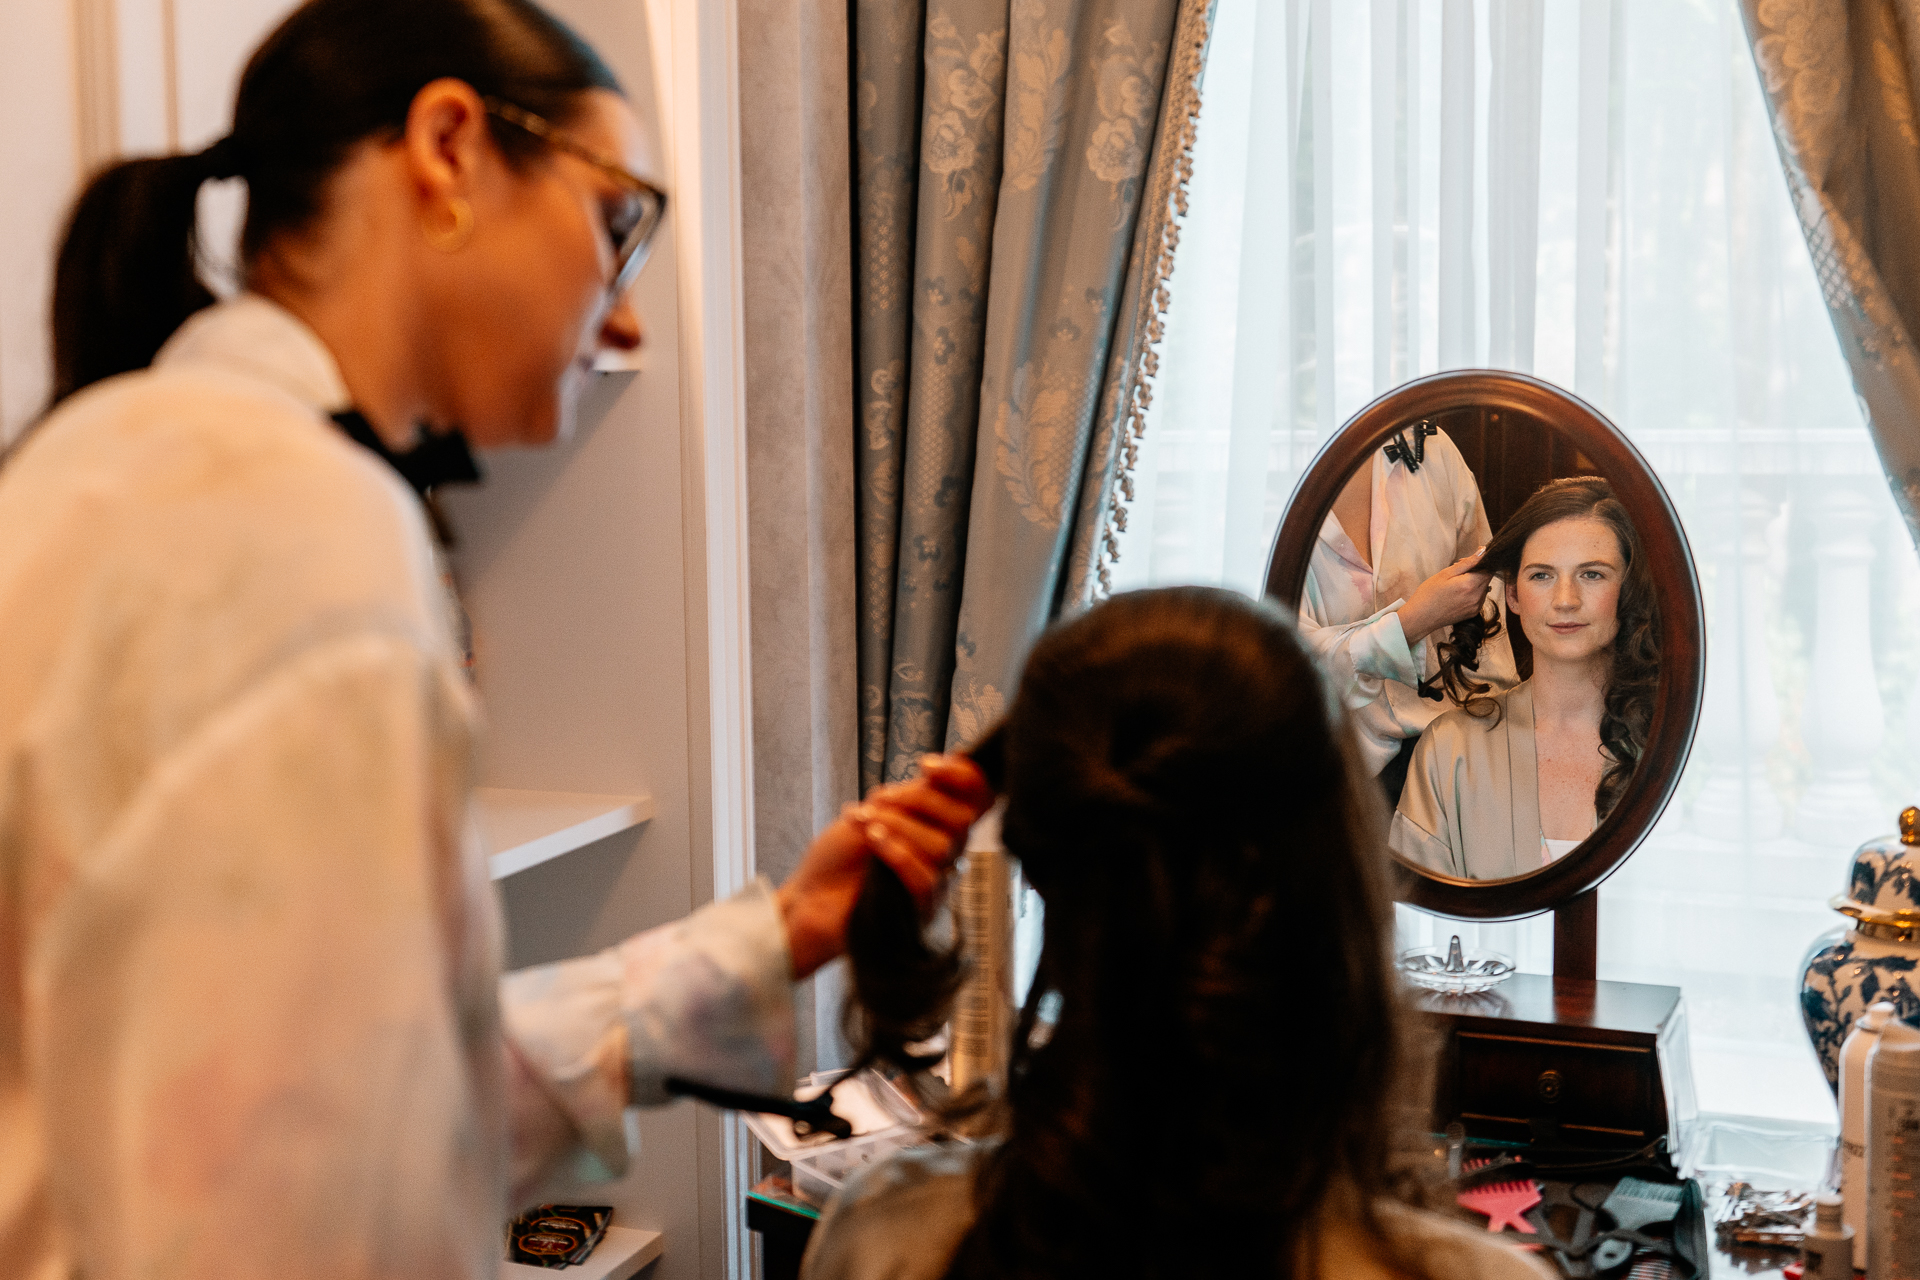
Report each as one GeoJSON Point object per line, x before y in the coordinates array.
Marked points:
{"type": "Point", "coordinates": [39, 153]}
{"type": "Point", "coordinates": [83, 82]}
{"type": "Point", "coordinates": [573, 567]}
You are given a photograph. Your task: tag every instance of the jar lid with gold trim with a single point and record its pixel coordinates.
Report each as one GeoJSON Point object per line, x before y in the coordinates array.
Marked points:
{"type": "Point", "coordinates": [1883, 885]}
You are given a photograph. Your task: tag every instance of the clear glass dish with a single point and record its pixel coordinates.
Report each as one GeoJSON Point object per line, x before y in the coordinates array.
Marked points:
{"type": "Point", "coordinates": [1455, 971]}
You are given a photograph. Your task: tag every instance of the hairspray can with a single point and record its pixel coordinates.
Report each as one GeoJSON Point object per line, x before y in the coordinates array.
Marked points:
{"type": "Point", "coordinates": [1893, 1154]}
{"type": "Point", "coordinates": [983, 917]}
{"type": "Point", "coordinates": [1853, 1122]}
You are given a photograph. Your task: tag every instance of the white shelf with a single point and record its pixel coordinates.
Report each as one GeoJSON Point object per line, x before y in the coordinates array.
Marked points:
{"type": "Point", "coordinates": [620, 1254]}
{"type": "Point", "coordinates": [521, 829]}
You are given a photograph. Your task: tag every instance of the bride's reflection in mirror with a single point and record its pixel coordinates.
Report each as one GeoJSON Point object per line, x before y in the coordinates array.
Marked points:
{"type": "Point", "coordinates": [1396, 563]}
{"type": "Point", "coordinates": [1513, 778]}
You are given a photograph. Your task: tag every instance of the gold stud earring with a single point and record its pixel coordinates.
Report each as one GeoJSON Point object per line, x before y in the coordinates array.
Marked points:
{"type": "Point", "coordinates": [454, 238]}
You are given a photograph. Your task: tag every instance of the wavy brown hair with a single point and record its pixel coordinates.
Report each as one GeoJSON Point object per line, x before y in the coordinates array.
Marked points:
{"type": "Point", "coordinates": [1184, 795]}
{"type": "Point", "coordinates": [1634, 675]}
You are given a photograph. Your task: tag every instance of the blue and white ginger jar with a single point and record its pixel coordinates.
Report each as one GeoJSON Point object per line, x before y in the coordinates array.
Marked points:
{"type": "Point", "coordinates": [1874, 959]}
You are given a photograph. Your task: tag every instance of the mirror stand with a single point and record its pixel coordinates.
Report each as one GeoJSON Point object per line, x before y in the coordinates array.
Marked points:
{"type": "Point", "coordinates": [1562, 1061]}
{"type": "Point", "coordinates": [1576, 937]}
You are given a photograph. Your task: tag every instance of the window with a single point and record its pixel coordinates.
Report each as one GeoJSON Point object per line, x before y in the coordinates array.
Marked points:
{"type": "Point", "coordinates": [1589, 193]}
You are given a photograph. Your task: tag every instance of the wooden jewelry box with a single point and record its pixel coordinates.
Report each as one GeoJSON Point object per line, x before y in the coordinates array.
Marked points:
{"type": "Point", "coordinates": [1579, 1062]}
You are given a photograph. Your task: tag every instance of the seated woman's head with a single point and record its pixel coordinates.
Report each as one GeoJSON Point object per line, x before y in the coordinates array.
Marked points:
{"type": "Point", "coordinates": [1574, 575]}
{"type": "Point", "coordinates": [1185, 796]}
{"type": "Point", "coordinates": [1569, 559]}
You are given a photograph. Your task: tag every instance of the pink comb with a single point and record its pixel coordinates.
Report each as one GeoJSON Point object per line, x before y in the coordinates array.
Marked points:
{"type": "Point", "coordinates": [1502, 1202]}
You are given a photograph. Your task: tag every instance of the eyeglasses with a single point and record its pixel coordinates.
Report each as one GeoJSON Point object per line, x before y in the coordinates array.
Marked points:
{"type": "Point", "coordinates": [633, 228]}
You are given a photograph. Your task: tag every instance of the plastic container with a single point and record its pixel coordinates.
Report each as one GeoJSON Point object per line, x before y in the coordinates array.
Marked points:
{"type": "Point", "coordinates": [883, 1121]}
{"type": "Point", "coordinates": [1853, 1122]}
{"type": "Point", "coordinates": [1893, 1154]}
{"type": "Point", "coordinates": [1827, 1249]}
{"type": "Point", "coordinates": [1768, 1155]}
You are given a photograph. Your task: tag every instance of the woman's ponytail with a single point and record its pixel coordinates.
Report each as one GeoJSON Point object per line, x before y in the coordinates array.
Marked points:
{"type": "Point", "coordinates": [126, 277]}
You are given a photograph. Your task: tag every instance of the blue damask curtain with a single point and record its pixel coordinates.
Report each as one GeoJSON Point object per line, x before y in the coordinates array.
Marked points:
{"type": "Point", "coordinates": [1841, 78]}
{"type": "Point", "coordinates": [1015, 166]}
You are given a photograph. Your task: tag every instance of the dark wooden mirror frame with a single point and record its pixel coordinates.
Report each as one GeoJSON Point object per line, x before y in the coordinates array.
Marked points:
{"type": "Point", "coordinates": [1567, 885]}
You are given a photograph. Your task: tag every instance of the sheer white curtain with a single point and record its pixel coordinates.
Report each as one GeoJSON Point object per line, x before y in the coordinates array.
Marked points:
{"type": "Point", "coordinates": [1587, 191]}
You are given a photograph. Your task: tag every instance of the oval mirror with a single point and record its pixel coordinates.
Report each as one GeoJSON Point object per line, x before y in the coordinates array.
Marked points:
{"type": "Point", "coordinates": [1474, 694]}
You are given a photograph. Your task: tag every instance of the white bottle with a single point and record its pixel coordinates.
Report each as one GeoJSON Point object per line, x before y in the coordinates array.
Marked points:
{"type": "Point", "coordinates": [1893, 1154]}
{"type": "Point", "coordinates": [1828, 1248]}
{"type": "Point", "coordinates": [1853, 1122]}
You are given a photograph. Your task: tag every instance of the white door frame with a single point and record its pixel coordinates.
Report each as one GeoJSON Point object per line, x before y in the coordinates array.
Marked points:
{"type": "Point", "coordinates": [699, 91]}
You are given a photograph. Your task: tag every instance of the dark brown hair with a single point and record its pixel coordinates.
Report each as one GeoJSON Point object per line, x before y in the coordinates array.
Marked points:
{"type": "Point", "coordinates": [1184, 795]}
{"type": "Point", "coordinates": [1634, 675]}
{"type": "Point", "coordinates": [334, 74]}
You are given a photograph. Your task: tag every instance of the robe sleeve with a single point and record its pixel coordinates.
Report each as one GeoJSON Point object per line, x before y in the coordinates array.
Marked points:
{"type": "Point", "coordinates": [1359, 656]}
{"type": "Point", "coordinates": [708, 998]}
{"type": "Point", "coordinates": [264, 1014]}
{"type": "Point", "coordinates": [1422, 821]}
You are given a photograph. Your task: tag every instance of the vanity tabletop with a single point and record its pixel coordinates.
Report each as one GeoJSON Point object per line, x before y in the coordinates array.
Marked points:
{"type": "Point", "coordinates": [1627, 1009]}
{"type": "Point", "coordinates": [1762, 1263]}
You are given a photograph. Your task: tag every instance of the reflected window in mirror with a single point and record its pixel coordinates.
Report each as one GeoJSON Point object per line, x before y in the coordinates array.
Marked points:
{"type": "Point", "coordinates": [1631, 240]}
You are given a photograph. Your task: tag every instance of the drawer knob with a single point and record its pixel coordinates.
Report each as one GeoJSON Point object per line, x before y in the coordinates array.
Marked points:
{"type": "Point", "coordinates": [1548, 1086]}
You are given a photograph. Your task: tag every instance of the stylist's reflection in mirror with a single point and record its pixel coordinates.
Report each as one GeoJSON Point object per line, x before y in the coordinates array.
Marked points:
{"type": "Point", "coordinates": [1511, 780]}
{"type": "Point", "coordinates": [1395, 565]}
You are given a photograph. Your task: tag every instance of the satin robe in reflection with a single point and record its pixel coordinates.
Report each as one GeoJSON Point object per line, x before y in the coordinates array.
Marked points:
{"type": "Point", "coordinates": [1422, 522]}
{"type": "Point", "coordinates": [1471, 807]}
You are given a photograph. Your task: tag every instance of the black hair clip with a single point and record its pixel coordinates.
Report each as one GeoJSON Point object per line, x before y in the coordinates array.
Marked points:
{"type": "Point", "coordinates": [815, 1115]}
{"type": "Point", "coordinates": [1416, 453]}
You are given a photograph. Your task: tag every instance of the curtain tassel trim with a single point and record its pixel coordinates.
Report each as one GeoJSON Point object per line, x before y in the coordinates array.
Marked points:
{"type": "Point", "coordinates": [1166, 206]}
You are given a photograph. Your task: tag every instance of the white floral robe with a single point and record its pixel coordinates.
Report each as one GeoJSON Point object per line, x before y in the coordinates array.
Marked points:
{"type": "Point", "coordinates": [251, 1018]}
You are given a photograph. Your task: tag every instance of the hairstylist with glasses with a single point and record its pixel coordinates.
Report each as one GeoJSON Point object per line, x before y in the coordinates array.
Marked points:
{"type": "Point", "coordinates": [251, 1015]}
